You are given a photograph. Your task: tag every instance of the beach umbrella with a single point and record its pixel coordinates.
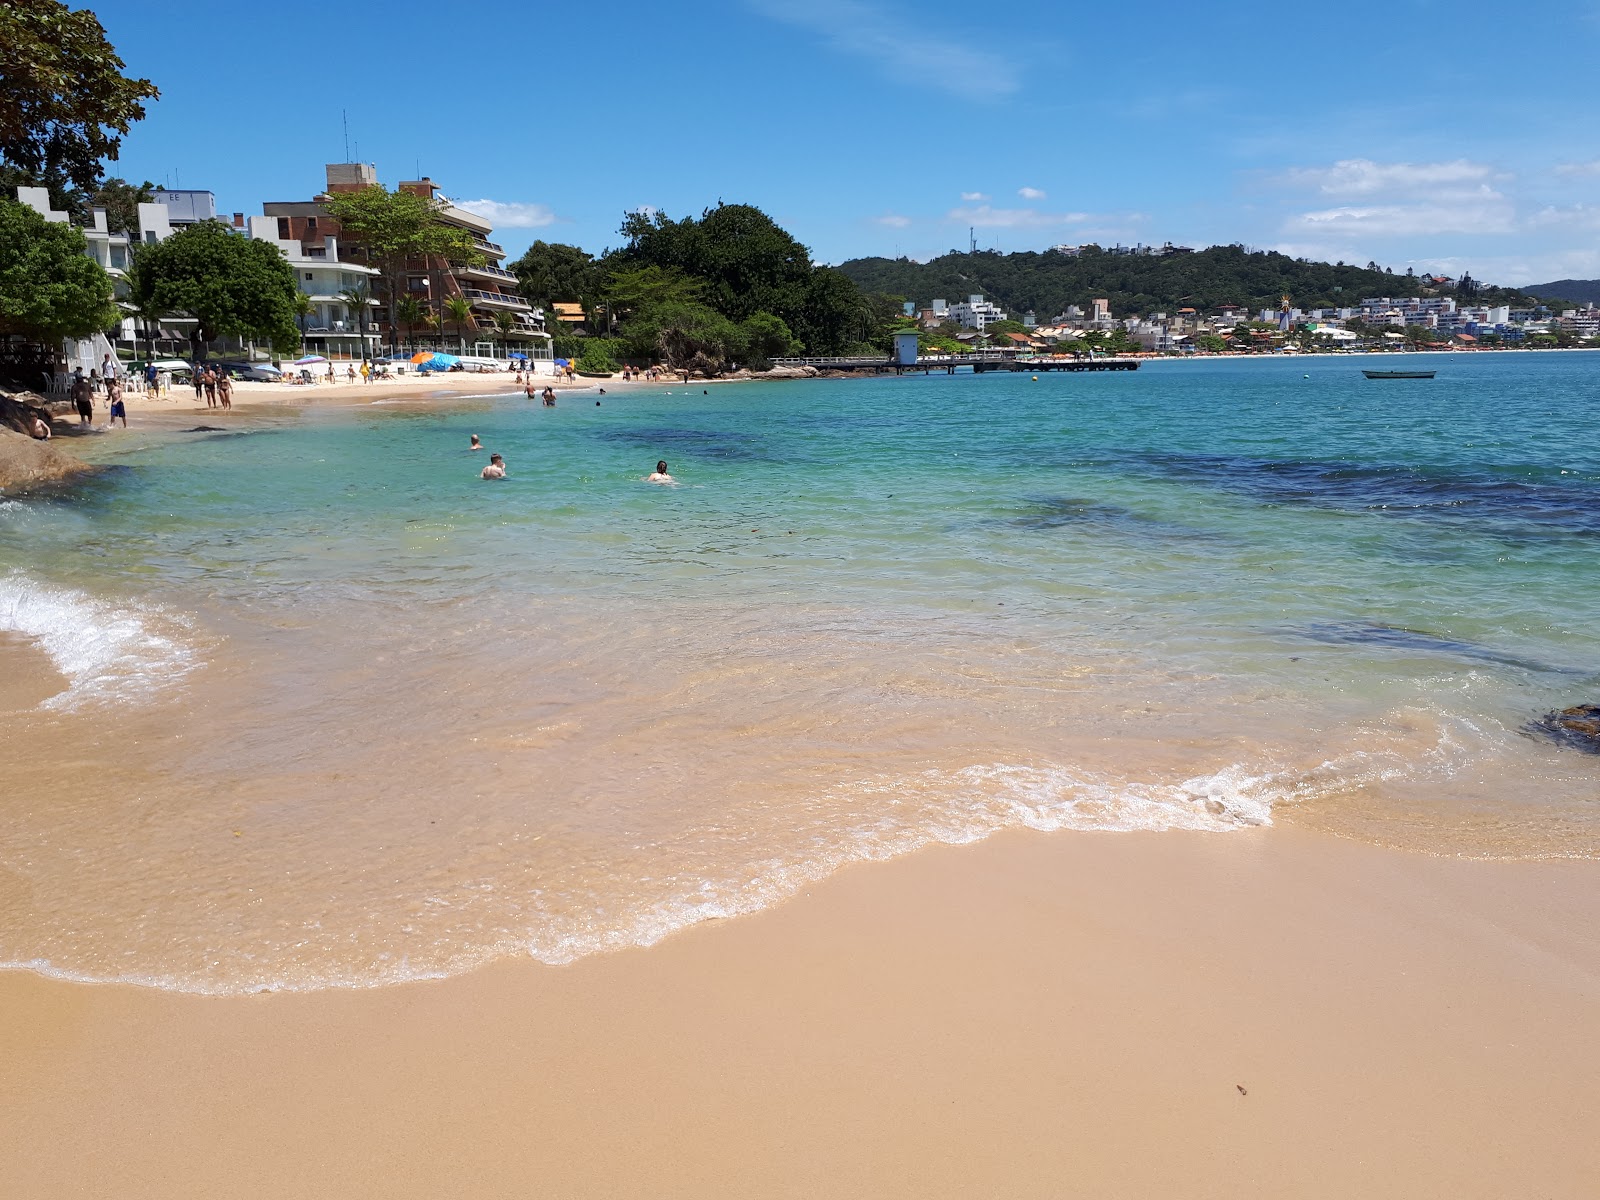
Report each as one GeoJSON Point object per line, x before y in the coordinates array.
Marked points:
{"type": "Point", "coordinates": [445, 360]}
{"type": "Point", "coordinates": [421, 356]}
{"type": "Point", "coordinates": [310, 358]}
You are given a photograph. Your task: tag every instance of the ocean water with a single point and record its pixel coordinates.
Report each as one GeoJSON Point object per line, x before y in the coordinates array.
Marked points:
{"type": "Point", "coordinates": [307, 704]}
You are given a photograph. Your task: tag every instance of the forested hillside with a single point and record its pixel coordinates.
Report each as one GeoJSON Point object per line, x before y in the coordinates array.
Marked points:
{"type": "Point", "coordinates": [1580, 291]}
{"type": "Point", "coordinates": [1047, 282]}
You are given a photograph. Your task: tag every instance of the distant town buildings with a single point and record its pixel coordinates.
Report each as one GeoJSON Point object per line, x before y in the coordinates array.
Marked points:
{"type": "Point", "coordinates": [975, 313]}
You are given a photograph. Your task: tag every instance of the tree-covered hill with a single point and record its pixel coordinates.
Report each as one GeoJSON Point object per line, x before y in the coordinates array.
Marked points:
{"type": "Point", "coordinates": [1582, 291]}
{"type": "Point", "coordinates": [1046, 282]}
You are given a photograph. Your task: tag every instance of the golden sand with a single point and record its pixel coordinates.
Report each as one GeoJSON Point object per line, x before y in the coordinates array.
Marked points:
{"type": "Point", "coordinates": [1271, 1013]}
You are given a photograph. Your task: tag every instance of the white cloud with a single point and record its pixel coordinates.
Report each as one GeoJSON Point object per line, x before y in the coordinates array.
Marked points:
{"type": "Point", "coordinates": [1484, 211]}
{"type": "Point", "coordinates": [985, 217]}
{"type": "Point", "coordinates": [896, 43]}
{"type": "Point", "coordinates": [1579, 169]}
{"type": "Point", "coordinates": [1575, 216]}
{"type": "Point", "coordinates": [977, 197]}
{"type": "Point", "coordinates": [893, 220]}
{"type": "Point", "coordinates": [510, 215]}
{"type": "Point", "coordinates": [1029, 193]}
{"type": "Point", "coordinates": [1363, 177]}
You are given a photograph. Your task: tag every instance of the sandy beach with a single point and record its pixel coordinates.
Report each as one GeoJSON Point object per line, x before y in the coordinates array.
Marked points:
{"type": "Point", "coordinates": [1267, 1014]}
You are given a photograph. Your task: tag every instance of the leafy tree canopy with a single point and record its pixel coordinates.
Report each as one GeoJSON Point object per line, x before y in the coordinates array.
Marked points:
{"type": "Point", "coordinates": [549, 272]}
{"type": "Point", "coordinates": [49, 288]}
{"type": "Point", "coordinates": [121, 201]}
{"type": "Point", "coordinates": [64, 102]}
{"type": "Point", "coordinates": [630, 290]}
{"type": "Point", "coordinates": [389, 228]}
{"type": "Point", "coordinates": [232, 285]}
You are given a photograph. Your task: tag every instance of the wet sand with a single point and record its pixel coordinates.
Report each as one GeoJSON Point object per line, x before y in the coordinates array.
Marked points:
{"type": "Point", "coordinates": [1266, 1013]}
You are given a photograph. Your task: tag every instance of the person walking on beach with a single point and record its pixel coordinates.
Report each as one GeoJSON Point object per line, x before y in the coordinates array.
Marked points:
{"type": "Point", "coordinates": [83, 398]}
{"type": "Point", "coordinates": [197, 375]}
{"type": "Point", "coordinates": [119, 410]}
{"type": "Point", "coordinates": [496, 468]}
{"type": "Point", "coordinates": [659, 475]}
{"type": "Point", "coordinates": [224, 389]}
{"type": "Point", "coordinates": [152, 377]}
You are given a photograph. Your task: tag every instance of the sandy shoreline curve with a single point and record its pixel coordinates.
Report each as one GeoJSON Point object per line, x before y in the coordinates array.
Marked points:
{"type": "Point", "coordinates": [1267, 1014]}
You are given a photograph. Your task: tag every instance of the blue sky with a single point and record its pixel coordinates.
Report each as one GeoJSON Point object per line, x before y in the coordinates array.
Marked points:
{"type": "Point", "coordinates": [1415, 133]}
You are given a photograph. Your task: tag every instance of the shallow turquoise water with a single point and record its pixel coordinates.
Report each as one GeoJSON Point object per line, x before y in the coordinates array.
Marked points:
{"type": "Point", "coordinates": [873, 612]}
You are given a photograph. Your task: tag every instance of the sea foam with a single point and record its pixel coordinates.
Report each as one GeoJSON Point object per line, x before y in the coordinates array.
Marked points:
{"type": "Point", "coordinates": [108, 653]}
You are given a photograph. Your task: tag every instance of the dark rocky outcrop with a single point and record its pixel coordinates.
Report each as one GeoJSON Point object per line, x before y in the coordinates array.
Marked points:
{"type": "Point", "coordinates": [26, 462]}
{"type": "Point", "coordinates": [1577, 727]}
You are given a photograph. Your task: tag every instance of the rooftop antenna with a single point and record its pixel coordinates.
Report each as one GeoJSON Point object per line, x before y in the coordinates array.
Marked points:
{"type": "Point", "coordinates": [344, 115]}
{"type": "Point", "coordinates": [972, 240]}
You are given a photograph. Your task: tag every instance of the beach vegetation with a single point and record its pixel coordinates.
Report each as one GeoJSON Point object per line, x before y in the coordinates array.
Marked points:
{"type": "Point", "coordinates": [64, 101]}
{"type": "Point", "coordinates": [459, 310]}
{"type": "Point", "coordinates": [504, 325]}
{"type": "Point", "coordinates": [549, 272]}
{"type": "Point", "coordinates": [357, 301]}
{"type": "Point", "coordinates": [49, 288]}
{"type": "Point", "coordinates": [395, 231]}
{"type": "Point", "coordinates": [231, 285]}
{"type": "Point", "coordinates": [409, 313]}
{"type": "Point", "coordinates": [598, 356]}
{"type": "Point", "coordinates": [121, 201]}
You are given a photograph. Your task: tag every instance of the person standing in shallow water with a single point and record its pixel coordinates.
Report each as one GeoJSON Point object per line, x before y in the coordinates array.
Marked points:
{"type": "Point", "coordinates": [496, 468]}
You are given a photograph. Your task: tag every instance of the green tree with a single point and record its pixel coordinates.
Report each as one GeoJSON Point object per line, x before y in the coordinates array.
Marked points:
{"type": "Point", "coordinates": [1210, 343]}
{"type": "Point", "coordinates": [49, 288]}
{"type": "Point", "coordinates": [549, 271]}
{"type": "Point", "coordinates": [765, 337]}
{"type": "Point", "coordinates": [395, 230]}
{"type": "Point", "coordinates": [684, 335]}
{"type": "Point", "coordinates": [459, 310]}
{"type": "Point", "coordinates": [629, 290]}
{"type": "Point", "coordinates": [358, 309]}
{"type": "Point", "coordinates": [231, 285]}
{"type": "Point", "coordinates": [64, 102]}
{"type": "Point", "coordinates": [504, 324]}
{"type": "Point", "coordinates": [121, 201]}
{"type": "Point", "coordinates": [303, 308]}
{"type": "Point", "coordinates": [146, 315]}
{"type": "Point", "coordinates": [408, 312]}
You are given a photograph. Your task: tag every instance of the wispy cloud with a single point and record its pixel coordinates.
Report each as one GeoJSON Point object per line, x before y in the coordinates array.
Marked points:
{"type": "Point", "coordinates": [1363, 177]}
{"type": "Point", "coordinates": [1572, 216]}
{"type": "Point", "coordinates": [893, 220]}
{"type": "Point", "coordinates": [896, 43]}
{"type": "Point", "coordinates": [504, 215]}
{"type": "Point", "coordinates": [1030, 193]}
{"type": "Point", "coordinates": [1486, 212]}
{"type": "Point", "coordinates": [975, 197]}
{"type": "Point", "coordinates": [1579, 169]}
{"type": "Point", "coordinates": [985, 217]}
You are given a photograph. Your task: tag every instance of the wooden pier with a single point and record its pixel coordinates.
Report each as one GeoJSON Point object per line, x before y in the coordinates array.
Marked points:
{"type": "Point", "coordinates": [949, 364]}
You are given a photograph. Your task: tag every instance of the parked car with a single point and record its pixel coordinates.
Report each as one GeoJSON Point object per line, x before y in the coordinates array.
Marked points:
{"type": "Point", "coordinates": [258, 372]}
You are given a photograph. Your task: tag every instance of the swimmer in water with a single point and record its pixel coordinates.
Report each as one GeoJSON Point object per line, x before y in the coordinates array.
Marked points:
{"type": "Point", "coordinates": [476, 444]}
{"type": "Point", "coordinates": [496, 468]}
{"type": "Point", "coordinates": [659, 475]}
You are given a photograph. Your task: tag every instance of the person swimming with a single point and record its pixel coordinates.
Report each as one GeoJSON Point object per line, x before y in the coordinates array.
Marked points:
{"type": "Point", "coordinates": [659, 475]}
{"type": "Point", "coordinates": [496, 468]}
{"type": "Point", "coordinates": [476, 444]}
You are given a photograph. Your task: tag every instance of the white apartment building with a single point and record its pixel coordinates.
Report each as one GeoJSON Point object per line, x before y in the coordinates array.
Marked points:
{"type": "Point", "coordinates": [975, 313]}
{"type": "Point", "coordinates": [332, 328]}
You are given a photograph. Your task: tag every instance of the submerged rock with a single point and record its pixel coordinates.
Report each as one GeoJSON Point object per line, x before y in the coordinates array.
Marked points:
{"type": "Point", "coordinates": [1577, 727]}
{"type": "Point", "coordinates": [206, 429]}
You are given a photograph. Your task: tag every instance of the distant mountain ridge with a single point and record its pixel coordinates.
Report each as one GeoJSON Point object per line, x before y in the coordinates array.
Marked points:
{"type": "Point", "coordinates": [1584, 291]}
{"type": "Point", "coordinates": [1046, 282]}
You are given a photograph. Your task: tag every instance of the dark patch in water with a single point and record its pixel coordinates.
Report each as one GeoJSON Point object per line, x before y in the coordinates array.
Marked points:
{"type": "Point", "coordinates": [1570, 504]}
{"type": "Point", "coordinates": [1395, 637]}
{"type": "Point", "coordinates": [205, 429]}
{"type": "Point", "coordinates": [693, 443]}
{"type": "Point", "coordinates": [1577, 728]}
{"type": "Point", "coordinates": [1064, 512]}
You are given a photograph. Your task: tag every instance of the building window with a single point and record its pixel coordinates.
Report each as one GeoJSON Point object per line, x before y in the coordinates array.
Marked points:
{"type": "Point", "coordinates": [283, 229]}
{"type": "Point", "coordinates": [308, 276]}
{"type": "Point", "coordinates": [311, 227]}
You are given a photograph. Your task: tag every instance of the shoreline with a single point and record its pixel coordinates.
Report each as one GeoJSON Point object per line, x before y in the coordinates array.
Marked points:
{"type": "Point", "coordinates": [1272, 1012]}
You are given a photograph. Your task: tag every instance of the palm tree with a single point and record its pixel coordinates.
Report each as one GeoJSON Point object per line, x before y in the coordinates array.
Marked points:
{"type": "Point", "coordinates": [504, 322]}
{"type": "Point", "coordinates": [409, 312]}
{"type": "Point", "coordinates": [303, 308]}
{"type": "Point", "coordinates": [147, 313]}
{"type": "Point", "coordinates": [358, 304]}
{"type": "Point", "coordinates": [459, 310]}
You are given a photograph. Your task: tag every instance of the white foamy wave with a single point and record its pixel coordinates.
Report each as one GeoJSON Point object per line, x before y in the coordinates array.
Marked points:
{"type": "Point", "coordinates": [107, 652]}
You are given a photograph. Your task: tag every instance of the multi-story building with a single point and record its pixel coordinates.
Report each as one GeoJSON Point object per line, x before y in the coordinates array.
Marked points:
{"type": "Point", "coordinates": [975, 313]}
{"type": "Point", "coordinates": [335, 327]}
{"type": "Point", "coordinates": [488, 287]}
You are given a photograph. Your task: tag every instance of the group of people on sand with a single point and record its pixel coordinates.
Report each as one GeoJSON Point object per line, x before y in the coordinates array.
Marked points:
{"type": "Point", "coordinates": [496, 468]}
{"type": "Point", "coordinates": [215, 384]}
